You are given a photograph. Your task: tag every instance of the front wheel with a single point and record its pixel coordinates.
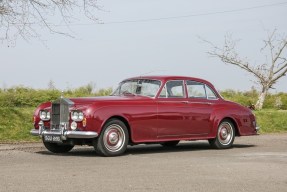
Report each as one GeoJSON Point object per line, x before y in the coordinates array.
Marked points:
{"type": "Point", "coordinates": [113, 140]}
{"type": "Point", "coordinates": [225, 135]}
{"type": "Point", "coordinates": [58, 148]}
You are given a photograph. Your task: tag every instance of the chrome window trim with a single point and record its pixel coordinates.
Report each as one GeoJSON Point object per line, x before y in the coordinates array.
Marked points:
{"type": "Point", "coordinates": [166, 93]}
{"type": "Point", "coordinates": [213, 94]}
{"type": "Point", "coordinates": [137, 80]}
{"type": "Point", "coordinates": [204, 85]}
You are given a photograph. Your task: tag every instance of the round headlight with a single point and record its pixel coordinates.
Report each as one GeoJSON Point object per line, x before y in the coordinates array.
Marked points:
{"type": "Point", "coordinates": [45, 115]}
{"type": "Point", "coordinates": [81, 116]}
{"type": "Point", "coordinates": [77, 115]}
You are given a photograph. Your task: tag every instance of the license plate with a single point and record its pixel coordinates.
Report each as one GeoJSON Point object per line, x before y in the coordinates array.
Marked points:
{"type": "Point", "coordinates": [50, 138]}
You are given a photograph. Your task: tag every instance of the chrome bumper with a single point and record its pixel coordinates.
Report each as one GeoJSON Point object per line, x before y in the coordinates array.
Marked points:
{"type": "Point", "coordinates": [257, 129]}
{"type": "Point", "coordinates": [63, 133]}
{"type": "Point", "coordinates": [66, 134]}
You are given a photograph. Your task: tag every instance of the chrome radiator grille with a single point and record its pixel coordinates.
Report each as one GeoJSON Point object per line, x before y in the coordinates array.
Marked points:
{"type": "Point", "coordinates": [55, 116]}
{"type": "Point", "coordinates": [60, 112]}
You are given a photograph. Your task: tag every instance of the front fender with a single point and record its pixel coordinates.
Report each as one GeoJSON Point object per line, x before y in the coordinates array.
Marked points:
{"type": "Point", "coordinates": [141, 120]}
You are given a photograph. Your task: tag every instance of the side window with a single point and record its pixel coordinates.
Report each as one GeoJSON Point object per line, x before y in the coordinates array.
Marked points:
{"type": "Point", "coordinates": [173, 89]}
{"type": "Point", "coordinates": [195, 89]}
{"type": "Point", "coordinates": [210, 93]}
{"type": "Point", "coordinates": [130, 87]}
{"type": "Point", "coordinates": [149, 87]}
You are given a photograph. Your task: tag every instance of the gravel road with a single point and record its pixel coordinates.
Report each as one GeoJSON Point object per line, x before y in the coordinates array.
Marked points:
{"type": "Point", "coordinates": [257, 163]}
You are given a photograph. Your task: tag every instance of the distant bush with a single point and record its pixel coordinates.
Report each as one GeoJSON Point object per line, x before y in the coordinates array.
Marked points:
{"type": "Point", "coordinates": [27, 97]}
{"type": "Point", "coordinates": [248, 98]}
{"type": "Point", "coordinates": [276, 101]}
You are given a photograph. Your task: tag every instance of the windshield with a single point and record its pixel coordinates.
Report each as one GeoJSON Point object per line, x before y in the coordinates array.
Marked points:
{"type": "Point", "coordinates": [143, 87]}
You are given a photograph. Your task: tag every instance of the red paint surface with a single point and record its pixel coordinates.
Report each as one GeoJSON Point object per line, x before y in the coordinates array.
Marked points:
{"type": "Point", "coordinates": [162, 119]}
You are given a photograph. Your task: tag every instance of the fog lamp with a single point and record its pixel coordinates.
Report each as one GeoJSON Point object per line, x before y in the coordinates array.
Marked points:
{"type": "Point", "coordinates": [41, 123]}
{"type": "Point", "coordinates": [74, 125]}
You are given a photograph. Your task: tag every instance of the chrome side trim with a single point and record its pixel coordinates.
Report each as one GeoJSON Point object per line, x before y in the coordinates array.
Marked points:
{"type": "Point", "coordinates": [67, 134]}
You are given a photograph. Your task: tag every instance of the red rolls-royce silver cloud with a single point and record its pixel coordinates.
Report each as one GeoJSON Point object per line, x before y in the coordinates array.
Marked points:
{"type": "Point", "coordinates": [145, 109]}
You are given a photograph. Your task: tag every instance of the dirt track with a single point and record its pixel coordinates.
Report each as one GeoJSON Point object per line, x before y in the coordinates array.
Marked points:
{"type": "Point", "coordinates": [256, 163]}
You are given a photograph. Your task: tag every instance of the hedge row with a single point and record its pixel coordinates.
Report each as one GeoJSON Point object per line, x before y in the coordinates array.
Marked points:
{"type": "Point", "coordinates": [28, 97]}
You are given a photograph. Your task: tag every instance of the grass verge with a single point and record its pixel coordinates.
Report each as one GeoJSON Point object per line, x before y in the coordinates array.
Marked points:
{"type": "Point", "coordinates": [16, 123]}
{"type": "Point", "coordinates": [272, 121]}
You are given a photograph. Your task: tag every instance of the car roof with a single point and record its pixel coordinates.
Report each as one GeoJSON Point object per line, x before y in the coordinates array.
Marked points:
{"type": "Point", "coordinates": [165, 78]}
{"type": "Point", "coordinates": [170, 77]}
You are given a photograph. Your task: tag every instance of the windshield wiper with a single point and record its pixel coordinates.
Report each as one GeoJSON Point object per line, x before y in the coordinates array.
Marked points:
{"type": "Point", "coordinates": [127, 93]}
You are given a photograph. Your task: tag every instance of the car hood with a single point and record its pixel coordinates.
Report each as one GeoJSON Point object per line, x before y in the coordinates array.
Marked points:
{"type": "Point", "coordinates": [91, 100]}
{"type": "Point", "coordinates": [81, 103]}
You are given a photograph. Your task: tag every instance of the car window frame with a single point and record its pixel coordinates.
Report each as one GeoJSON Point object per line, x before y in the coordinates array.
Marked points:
{"type": "Point", "coordinates": [119, 85]}
{"type": "Point", "coordinates": [204, 86]}
{"type": "Point", "coordinates": [166, 92]}
{"type": "Point", "coordinates": [214, 93]}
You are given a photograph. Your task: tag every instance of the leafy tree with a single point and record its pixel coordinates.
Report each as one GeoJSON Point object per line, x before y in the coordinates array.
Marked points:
{"type": "Point", "coordinates": [267, 73]}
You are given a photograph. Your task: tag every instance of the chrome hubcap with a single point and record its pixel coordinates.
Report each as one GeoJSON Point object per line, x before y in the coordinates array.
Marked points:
{"type": "Point", "coordinates": [114, 138]}
{"type": "Point", "coordinates": [225, 133]}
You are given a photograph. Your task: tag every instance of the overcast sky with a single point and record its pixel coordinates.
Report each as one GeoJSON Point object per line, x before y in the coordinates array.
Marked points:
{"type": "Point", "coordinates": [107, 53]}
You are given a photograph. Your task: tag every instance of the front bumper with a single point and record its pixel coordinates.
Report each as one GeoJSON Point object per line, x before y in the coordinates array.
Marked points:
{"type": "Point", "coordinates": [65, 134]}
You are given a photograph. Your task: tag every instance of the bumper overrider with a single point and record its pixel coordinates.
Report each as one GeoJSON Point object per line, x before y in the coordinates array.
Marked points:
{"type": "Point", "coordinates": [257, 130]}
{"type": "Point", "coordinates": [63, 133]}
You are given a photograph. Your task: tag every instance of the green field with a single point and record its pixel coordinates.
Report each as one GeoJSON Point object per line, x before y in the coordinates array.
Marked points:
{"type": "Point", "coordinates": [16, 123]}
{"type": "Point", "coordinates": [272, 121]}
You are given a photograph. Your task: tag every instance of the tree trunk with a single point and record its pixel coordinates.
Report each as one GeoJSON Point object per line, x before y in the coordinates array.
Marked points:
{"type": "Point", "coordinates": [261, 99]}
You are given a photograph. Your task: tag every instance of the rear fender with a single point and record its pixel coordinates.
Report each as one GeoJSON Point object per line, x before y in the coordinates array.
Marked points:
{"type": "Point", "coordinates": [220, 115]}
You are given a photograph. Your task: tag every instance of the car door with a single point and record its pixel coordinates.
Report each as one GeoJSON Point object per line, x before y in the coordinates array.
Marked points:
{"type": "Point", "coordinates": [187, 114]}
{"type": "Point", "coordinates": [201, 102]}
{"type": "Point", "coordinates": [173, 113]}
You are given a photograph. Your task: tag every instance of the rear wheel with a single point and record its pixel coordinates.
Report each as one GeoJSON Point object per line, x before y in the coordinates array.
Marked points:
{"type": "Point", "coordinates": [225, 135]}
{"type": "Point", "coordinates": [169, 143]}
{"type": "Point", "coordinates": [113, 140]}
{"type": "Point", "coordinates": [58, 148]}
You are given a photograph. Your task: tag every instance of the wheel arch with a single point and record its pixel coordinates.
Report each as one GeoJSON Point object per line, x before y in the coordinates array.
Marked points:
{"type": "Point", "coordinates": [124, 120]}
{"type": "Point", "coordinates": [233, 121]}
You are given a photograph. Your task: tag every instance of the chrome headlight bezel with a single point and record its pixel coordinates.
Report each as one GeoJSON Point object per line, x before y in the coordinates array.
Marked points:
{"type": "Point", "coordinates": [77, 115]}
{"type": "Point", "coordinates": [45, 115]}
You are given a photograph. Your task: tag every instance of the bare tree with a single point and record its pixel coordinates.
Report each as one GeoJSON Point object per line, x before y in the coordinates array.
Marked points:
{"type": "Point", "coordinates": [267, 73]}
{"type": "Point", "coordinates": [25, 18]}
